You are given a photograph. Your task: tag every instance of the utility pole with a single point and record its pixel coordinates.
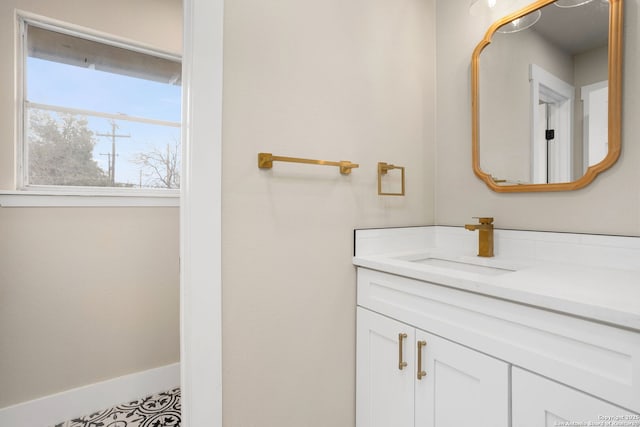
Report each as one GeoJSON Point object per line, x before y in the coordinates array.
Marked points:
{"type": "Point", "coordinates": [108, 163]}
{"type": "Point", "coordinates": [169, 175]}
{"type": "Point", "coordinates": [112, 157]}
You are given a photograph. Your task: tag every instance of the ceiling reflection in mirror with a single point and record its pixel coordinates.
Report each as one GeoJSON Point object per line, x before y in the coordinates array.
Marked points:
{"type": "Point", "coordinates": [541, 97]}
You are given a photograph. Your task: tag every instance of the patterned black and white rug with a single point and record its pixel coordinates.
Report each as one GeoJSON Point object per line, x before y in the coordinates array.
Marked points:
{"type": "Point", "coordinates": [159, 410]}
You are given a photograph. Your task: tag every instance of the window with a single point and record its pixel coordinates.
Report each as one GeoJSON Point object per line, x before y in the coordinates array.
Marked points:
{"type": "Point", "coordinates": [97, 115]}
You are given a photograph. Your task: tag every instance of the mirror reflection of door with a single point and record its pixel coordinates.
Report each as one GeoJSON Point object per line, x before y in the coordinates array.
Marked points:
{"type": "Point", "coordinates": [552, 130]}
{"type": "Point", "coordinates": [595, 99]}
{"type": "Point", "coordinates": [546, 158]}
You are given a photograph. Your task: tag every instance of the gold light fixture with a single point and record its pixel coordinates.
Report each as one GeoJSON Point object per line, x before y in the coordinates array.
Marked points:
{"type": "Point", "coordinates": [571, 3]}
{"type": "Point", "coordinates": [496, 9]}
{"type": "Point", "coordinates": [521, 23]}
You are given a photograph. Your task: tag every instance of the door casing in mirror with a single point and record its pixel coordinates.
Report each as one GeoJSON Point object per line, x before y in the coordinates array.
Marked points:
{"type": "Point", "coordinates": [614, 113]}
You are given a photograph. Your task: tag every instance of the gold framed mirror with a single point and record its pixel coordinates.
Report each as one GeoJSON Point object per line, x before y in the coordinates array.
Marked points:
{"type": "Point", "coordinates": [546, 125]}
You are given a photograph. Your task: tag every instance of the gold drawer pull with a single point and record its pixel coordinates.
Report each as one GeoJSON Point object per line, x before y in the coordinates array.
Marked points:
{"type": "Point", "coordinates": [421, 373]}
{"type": "Point", "coordinates": [401, 362]}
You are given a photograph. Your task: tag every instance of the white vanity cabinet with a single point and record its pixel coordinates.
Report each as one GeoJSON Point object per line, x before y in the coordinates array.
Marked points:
{"type": "Point", "coordinates": [384, 390]}
{"type": "Point", "coordinates": [539, 402]}
{"type": "Point", "coordinates": [407, 377]}
{"type": "Point", "coordinates": [488, 361]}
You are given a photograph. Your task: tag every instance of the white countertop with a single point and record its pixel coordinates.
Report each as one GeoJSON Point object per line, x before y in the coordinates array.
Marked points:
{"type": "Point", "coordinates": [601, 293]}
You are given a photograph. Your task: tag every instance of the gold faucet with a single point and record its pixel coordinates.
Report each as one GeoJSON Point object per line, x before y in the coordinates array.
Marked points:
{"type": "Point", "coordinates": [485, 235]}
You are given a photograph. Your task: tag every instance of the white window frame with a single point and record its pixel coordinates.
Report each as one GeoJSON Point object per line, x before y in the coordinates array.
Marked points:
{"type": "Point", "coordinates": [44, 195]}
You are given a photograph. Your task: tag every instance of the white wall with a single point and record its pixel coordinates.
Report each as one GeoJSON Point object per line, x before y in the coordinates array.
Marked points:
{"type": "Point", "coordinates": [611, 204]}
{"type": "Point", "coordinates": [86, 294]}
{"type": "Point", "coordinates": [590, 67]}
{"type": "Point", "coordinates": [329, 80]}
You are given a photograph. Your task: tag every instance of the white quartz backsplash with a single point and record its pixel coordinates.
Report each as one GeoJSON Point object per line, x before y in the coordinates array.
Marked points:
{"type": "Point", "coordinates": [618, 252]}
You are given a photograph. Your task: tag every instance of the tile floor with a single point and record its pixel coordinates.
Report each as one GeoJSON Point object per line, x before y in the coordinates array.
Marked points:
{"type": "Point", "coordinates": [158, 410]}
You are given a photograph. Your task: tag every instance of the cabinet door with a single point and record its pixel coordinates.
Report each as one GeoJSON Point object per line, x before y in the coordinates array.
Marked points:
{"type": "Point", "coordinates": [384, 392]}
{"type": "Point", "coordinates": [461, 387]}
{"type": "Point", "coordinates": [537, 402]}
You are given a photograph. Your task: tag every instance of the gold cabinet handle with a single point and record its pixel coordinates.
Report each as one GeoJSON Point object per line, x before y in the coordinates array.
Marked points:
{"type": "Point", "coordinates": [401, 362]}
{"type": "Point", "coordinates": [421, 373]}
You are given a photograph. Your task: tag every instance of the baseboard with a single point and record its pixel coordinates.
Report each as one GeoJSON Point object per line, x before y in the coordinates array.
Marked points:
{"type": "Point", "coordinates": [59, 407]}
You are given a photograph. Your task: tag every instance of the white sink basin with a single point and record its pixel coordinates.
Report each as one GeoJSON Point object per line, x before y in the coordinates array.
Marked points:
{"type": "Point", "coordinates": [465, 266]}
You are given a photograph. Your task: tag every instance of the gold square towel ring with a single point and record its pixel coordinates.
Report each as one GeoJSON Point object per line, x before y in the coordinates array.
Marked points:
{"type": "Point", "coordinates": [383, 168]}
{"type": "Point", "coordinates": [265, 161]}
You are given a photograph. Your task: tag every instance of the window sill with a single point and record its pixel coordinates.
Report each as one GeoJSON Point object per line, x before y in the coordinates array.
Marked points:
{"type": "Point", "coordinates": [16, 199]}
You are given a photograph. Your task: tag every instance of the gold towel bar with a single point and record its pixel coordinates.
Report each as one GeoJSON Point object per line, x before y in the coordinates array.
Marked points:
{"type": "Point", "coordinates": [265, 161]}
